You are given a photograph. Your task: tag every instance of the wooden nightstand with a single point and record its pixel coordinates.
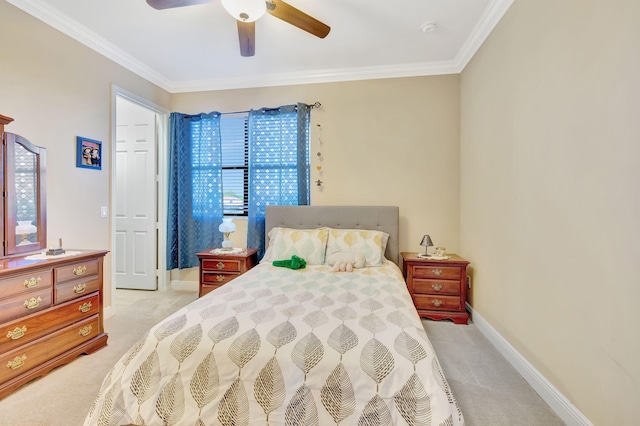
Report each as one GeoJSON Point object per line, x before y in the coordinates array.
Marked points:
{"type": "Point", "coordinates": [438, 287]}
{"type": "Point", "coordinates": [219, 269]}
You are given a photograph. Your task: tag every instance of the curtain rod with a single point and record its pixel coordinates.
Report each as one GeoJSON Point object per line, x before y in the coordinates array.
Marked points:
{"type": "Point", "coordinates": [312, 106]}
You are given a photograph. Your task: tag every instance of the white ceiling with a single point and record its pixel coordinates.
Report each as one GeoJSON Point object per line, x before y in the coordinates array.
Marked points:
{"type": "Point", "coordinates": [195, 48]}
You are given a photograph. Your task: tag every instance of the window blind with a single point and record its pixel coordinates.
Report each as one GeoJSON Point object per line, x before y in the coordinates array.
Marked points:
{"type": "Point", "coordinates": [235, 190]}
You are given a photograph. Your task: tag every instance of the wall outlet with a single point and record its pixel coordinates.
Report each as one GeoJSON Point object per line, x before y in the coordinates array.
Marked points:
{"type": "Point", "coordinates": [468, 281]}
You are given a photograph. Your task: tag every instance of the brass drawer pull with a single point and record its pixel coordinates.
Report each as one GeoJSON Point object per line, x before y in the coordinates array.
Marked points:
{"type": "Point", "coordinates": [436, 286]}
{"type": "Point", "coordinates": [437, 272]}
{"type": "Point", "coordinates": [79, 270]}
{"type": "Point", "coordinates": [32, 282]}
{"type": "Point", "coordinates": [220, 265]}
{"type": "Point", "coordinates": [84, 331]}
{"type": "Point", "coordinates": [80, 288]}
{"type": "Point", "coordinates": [32, 303]}
{"type": "Point", "coordinates": [85, 307]}
{"type": "Point", "coordinates": [219, 278]}
{"type": "Point", "coordinates": [17, 362]}
{"type": "Point", "coordinates": [437, 303]}
{"type": "Point", "coordinates": [17, 333]}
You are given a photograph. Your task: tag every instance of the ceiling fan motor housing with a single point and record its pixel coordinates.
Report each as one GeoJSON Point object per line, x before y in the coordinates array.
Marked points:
{"type": "Point", "coordinates": [245, 10]}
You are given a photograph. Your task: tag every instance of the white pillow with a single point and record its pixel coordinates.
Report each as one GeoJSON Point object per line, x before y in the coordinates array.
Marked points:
{"type": "Point", "coordinates": [371, 243]}
{"type": "Point", "coordinates": [309, 244]}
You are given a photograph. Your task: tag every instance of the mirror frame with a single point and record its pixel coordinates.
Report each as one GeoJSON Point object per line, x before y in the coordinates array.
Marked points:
{"type": "Point", "coordinates": [10, 200]}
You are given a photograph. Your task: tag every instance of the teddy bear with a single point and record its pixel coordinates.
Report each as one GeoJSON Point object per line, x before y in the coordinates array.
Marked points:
{"type": "Point", "coordinates": [346, 261]}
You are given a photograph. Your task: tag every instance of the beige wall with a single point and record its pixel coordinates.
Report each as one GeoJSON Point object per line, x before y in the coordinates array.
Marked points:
{"type": "Point", "coordinates": [384, 142]}
{"type": "Point", "coordinates": [550, 207]}
{"type": "Point", "coordinates": [56, 89]}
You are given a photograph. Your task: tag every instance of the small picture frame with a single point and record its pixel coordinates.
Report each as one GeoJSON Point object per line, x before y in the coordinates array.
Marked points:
{"type": "Point", "coordinates": [88, 153]}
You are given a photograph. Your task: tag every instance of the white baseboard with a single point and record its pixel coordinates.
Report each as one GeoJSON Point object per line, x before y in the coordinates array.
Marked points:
{"type": "Point", "coordinates": [549, 393]}
{"type": "Point", "coordinates": [107, 312]}
{"type": "Point", "coordinates": [185, 285]}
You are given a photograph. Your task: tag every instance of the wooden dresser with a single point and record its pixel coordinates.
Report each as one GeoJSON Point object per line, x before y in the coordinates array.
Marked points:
{"type": "Point", "coordinates": [438, 287]}
{"type": "Point", "coordinates": [218, 269]}
{"type": "Point", "coordinates": [50, 312]}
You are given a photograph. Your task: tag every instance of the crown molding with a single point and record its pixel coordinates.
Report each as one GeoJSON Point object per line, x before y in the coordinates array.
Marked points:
{"type": "Point", "coordinates": [485, 25]}
{"type": "Point", "coordinates": [54, 18]}
{"type": "Point", "coordinates": [318, 76]}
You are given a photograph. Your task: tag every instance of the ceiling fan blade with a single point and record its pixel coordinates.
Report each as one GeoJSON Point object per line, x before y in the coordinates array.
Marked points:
{"type": "Point", "coordinates": [297, 18]}
{"type": "Point", "coordinates": [247, 38]}
{"type": "Point", "coordinates": [168, 4]}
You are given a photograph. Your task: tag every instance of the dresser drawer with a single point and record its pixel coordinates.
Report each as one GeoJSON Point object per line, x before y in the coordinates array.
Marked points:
{"type": "Point", "coordinates": [22, 359]}
{"type": "Point", "coordinates": [436, 287]}
{"type": "Point", "coordinates": [32, 327]}
{"type": "Point", "coordinates": [226, 265]}
{"type": "Point", "coordinates": [437, 272]}
{"type": "Point", "coordinates": [74, 289]}
{"type": "Point", "coordinates": [25, 282]}
{"type": "Point", "coordinates": [76, 270]}
{"type": "Point", "coordinates": [25, 304]}
{"type": "Point", "coordinates": [437, 303]}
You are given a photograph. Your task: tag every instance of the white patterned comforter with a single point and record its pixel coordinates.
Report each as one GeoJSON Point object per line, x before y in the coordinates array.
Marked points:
{"type": "Point", "coordinates": [283, 347]}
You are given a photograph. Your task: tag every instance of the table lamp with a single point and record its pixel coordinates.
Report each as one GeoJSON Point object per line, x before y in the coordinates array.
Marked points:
{"type": "Point", "coordinates": [426, 242]}
{"type": "Point", "coordinates": [227, 227]}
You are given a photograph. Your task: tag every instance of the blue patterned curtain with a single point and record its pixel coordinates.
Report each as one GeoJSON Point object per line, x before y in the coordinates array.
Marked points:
{"type": "Point", "coordinates": [195, 187]}
{"type": "Point", "coordinates": [278, 164]}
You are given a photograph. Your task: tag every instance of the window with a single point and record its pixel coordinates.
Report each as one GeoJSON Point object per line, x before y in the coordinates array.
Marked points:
{"type": "Point", "coordinates": [234, 135]}
{"type": "Point", "coordinates": [215, 171]}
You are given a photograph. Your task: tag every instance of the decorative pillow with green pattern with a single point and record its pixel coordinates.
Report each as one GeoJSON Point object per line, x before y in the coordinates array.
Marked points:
{"type": "Point", "coordinates": [371, 243]}
{"type": "Point", "coordinates": [309, 244]}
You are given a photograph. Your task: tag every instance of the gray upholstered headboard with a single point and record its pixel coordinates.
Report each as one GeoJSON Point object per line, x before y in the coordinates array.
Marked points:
{"type": "Point", "coordinates": [380, 218]}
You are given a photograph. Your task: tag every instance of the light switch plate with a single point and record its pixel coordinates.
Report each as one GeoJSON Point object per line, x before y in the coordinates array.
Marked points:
{"type": "Point", "coordinates": [103, 211]}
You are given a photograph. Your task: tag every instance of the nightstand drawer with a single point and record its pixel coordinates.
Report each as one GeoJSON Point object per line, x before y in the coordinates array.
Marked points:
{"type": "Point", "coordinates": [204, 289]}
{"type": "Point", "coordinates": [217, 279]}
{"type": "Point", "coordinates": [437, 303]}
{"type": "Point", "coordinates": [436, 287]}
{"type": "Point", "coordinates": [227, 265]}
{"type": "Point", "coordinates": [436, 272]}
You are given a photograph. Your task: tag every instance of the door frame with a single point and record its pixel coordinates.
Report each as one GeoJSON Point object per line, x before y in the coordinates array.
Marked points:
{"type": "Point", "coordinates": [161, 182]}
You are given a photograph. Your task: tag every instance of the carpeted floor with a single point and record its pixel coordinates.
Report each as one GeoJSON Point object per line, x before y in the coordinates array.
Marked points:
{"type": "Point", "coordinates": [488, 389]}
{"type": "Point", "coordinates": [490, 392]}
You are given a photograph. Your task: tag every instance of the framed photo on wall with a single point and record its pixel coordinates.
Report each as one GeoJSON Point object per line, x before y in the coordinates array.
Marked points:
{"type": "Point", "coordinates": [88, 153]}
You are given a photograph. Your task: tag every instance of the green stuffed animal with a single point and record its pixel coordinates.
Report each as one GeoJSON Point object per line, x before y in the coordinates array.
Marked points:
{"type": "Point", "coordinates": [295, 262]}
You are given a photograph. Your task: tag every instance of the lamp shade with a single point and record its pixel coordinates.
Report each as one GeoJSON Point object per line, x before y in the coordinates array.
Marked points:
{"type": "Point", "coordinates": [245, 10]}
{"type": "Point", "coordinates": [25, 227]}
{"type": "Point", "coordinates": [227, 225]}
{"type": "Point", "coordinates": [426, 241]}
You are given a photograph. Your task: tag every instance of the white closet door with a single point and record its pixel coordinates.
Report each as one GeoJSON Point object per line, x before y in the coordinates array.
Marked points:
{"type": "Point", "coordinates": [135, 199]}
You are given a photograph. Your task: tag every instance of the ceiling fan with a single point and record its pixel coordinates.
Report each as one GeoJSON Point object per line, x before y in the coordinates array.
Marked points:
{"type": "Point", "coordinates": [246, 12]}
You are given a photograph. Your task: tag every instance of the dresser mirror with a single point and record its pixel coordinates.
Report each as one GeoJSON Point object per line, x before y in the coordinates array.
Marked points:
{"type": "Point", "coordinates": [24, 208]}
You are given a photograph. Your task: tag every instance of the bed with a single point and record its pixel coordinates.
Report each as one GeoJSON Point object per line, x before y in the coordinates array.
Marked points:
{"type": "Point", "coordinates": [286, 346]}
